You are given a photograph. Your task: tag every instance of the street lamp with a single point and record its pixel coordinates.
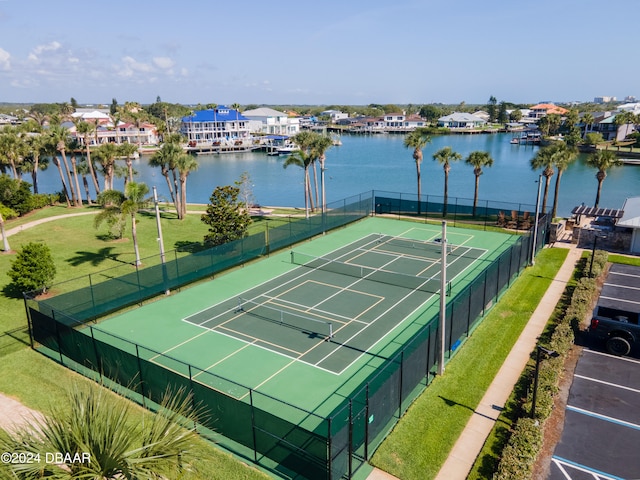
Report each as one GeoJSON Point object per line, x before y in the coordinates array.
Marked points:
{"type": "Point", "coordinates": [539, 352]}
{"type": "Point", "coordinates": [593, 250]}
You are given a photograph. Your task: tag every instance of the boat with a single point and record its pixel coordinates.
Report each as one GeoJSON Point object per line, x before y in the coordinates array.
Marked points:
{"type": "Point", "coordinates": [630, 161]}
{"type": "Point", "coordinates": [287, 149]}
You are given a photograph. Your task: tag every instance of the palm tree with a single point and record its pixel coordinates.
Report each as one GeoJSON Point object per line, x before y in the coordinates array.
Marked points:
{"type": "Point", "coordinates": [478, 160]}
{"type": "Point", "coordinates": [417, 140]}
{"type": "Point", "coordinates": [59, 136]}
{"type": "Point", "coordinates": [544, 159]}
{"type": "Point", "coordinates": [185, 164]}
{"type": "Point", "coordinates": [562, 156]}
{"type": "Point", "coordinates": [10, 148]}
{"type": "Point", "coordinates": [444, 157]}
{"type": "Point", "coordinates": [86, 129]}
{"type": "Point", "coordinates": [165, 159]}
{"type": "Point", "coordinates": [73, 146]}
{"type": "Point", "coordinates": [302, 159]}
{"type": "Point", "coordinates": [602, 160]}
{"type": "Point", "coordinates": [587, 120]}
{"type": "Point", "coordinates": [106, 154]}
{"type": "Point", "coordinates": [127, 150]}
{"type": "Point", "coordinates": [136, 199]}
{"type": "Point", "coordinates": [83, 170]}
{"type": "Point", "coordinates": [320, 147]}
{"type": "Point", "coordinates": [36, 147]}
{"type": "Point", "coordinates": [118, 440]}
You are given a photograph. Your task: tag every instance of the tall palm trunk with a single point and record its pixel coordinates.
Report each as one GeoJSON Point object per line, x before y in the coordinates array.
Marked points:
{"type": "Point", "coordinates": [68, 170]}
{"type": "Point", "coordinates": [600, 176]}
{"type": "Point", "coordinates": [446, 190]}
{"type": "Point", "coordinates": [56, 162]}
{"type": "Point", "coordinates": [547, 182]}
{"type": "Point", "coordinates": [315, 181]}
{"type": "Point", "coordinates": [92, 170]}
{"type": "Point", "coordinates": [183, 195]}
{"type": "Point", "coordinates": [419, 177]}
{"type": "Point", "coordinates": [165, 174]}
{"type": "Point", "coordinates": [306, 192]}
{"type": "Point", "coordinates": [556, 190]}
{"type": "Point", "coordinates": [78, 202]}
{"type": "Point", "coordinates": [34, 173]}
{"type": "Point", "coordinates": [85, 182]}
{"type": "Point", "coordinates": [134, 237]}
{"type": "Point", "coordinates": [475, 192]}
{"type": "Point", "coordinates": [178, 198]}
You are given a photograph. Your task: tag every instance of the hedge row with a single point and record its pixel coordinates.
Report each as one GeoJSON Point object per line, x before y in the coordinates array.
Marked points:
{"type": "Point", "coordinates": [520, 454]}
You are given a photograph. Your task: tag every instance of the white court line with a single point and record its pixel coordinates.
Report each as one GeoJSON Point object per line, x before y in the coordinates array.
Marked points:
{"type": "Point", "coordinates": [399, 324]}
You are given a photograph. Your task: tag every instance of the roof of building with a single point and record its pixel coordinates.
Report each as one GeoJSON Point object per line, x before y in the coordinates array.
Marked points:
{"type": "Point", "coordinates": [264, 112]}
{"type": "Point", "coordinates": [550, 108]}
{"type": "Point", "coordinates": [91, 115]}
{"type": "Point", "coordinates": [461, 117]}
{"type": "Point", "coordinates": [631, 217]}
{"type": "Point", "coordinates": [220, 114]}
{"type": "Point", "coordinates": [597, 212]}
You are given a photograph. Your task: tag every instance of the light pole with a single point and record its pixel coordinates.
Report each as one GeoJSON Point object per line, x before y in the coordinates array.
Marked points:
{"type": "Point", "coordinates": [535, 223]}
{"type": "Point", "coordinates": [539, 351]}
{"type": "Point", "coordinates": [443, 297]}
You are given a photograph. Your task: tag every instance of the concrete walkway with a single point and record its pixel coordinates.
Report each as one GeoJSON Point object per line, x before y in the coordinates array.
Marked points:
{"type": "Point", "coordinates": [470, 443]}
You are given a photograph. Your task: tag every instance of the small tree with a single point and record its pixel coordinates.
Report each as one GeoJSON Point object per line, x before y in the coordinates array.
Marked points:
{"type": "Point", "coordinates": [226, 216]}
{"type": "Point", "coordinates": [245, 184]}
{"type": "Point", "coordinates": [33, 268]}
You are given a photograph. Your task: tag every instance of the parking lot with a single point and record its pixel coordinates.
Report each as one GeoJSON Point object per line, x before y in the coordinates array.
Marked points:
{"type": "Point", "coordinates": [601, 431]}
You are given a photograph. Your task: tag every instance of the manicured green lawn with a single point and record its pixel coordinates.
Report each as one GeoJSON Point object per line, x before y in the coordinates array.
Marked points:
{"type": "Point", "coordinates": [79, 249]}
{"type": "Point", "coordinates": [421, 441]}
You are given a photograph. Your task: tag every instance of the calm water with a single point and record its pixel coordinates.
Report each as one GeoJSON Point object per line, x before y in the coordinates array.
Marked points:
{"type": "Point", "coordinates": [381, 162]}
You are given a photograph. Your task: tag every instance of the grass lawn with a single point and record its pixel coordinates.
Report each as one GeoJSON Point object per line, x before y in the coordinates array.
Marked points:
{"type": "Point", "coordinates": [79, 249]}
{"type": "Point", "coordinates": [421, 441]}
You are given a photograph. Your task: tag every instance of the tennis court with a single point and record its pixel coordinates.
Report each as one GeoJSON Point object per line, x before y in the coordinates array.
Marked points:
{"type": "Point", "coordinates": [302, 359]}
{"type": "Point", "coordinates": [314, 321]}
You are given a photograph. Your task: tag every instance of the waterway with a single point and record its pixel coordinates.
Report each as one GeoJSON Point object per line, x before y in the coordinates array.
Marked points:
{"type": "Point", "coordinates": [381, 162]}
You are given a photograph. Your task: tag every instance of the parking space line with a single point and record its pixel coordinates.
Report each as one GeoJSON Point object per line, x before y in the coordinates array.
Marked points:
{"type": "Point", "coordinates": [606, 418]}
{"type": "Point", "coordinates": [635, 390]}
{"type": "Point", "coordinates": [622, 359]}
{"type": "Point", "coordinates": [620, 300]}
{"type": "Point", "coordinates": [563, 461]}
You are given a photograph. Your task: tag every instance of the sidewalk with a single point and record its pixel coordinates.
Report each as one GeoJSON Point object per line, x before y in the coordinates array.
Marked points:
{"type": "Point", "coordinates": [471, 440]}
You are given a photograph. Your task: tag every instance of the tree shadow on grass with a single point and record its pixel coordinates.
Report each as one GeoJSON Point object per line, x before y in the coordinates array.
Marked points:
{"type": "Point", "coordinates": [11, 291]}
{"type": "Point", "coordinates": [191, 247]}
{"type": "Point", "coordinates": [94, 258]}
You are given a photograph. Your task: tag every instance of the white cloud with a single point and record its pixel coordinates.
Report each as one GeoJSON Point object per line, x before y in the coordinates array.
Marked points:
{"type": "Point", "coordinates": [50, 47]}
{"type": "Point", "coordinates": [132, 66]}
{"type": "Point", "coordinates": [5, 60]}
{"type": "Point", "coordinates": [163, 62]}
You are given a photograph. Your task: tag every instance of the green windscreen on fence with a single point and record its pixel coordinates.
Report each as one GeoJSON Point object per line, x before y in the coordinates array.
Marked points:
{"type": "Point", "coordinates": [335, 446]}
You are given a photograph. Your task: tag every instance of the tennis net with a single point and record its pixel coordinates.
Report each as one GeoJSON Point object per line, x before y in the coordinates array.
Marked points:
{"type": "Point", "coordinates": [307, 325]}
{"type": "Point", "coordinates": [410, 243]}
{"type": "Point", "coordinates": [413, 282]}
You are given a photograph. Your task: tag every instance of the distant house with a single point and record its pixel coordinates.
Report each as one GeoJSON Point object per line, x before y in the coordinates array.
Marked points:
{"type": "Point", "coordinates": [483, 115]}
{"type": "Point", "coordinates": [271, 122]}
{"type": "Point", "coordinates": [461, 120]}
{"type": "Point", "coordinates": [604, 123]}
{"type": "Point", "coordinates": [543, 109]}
{"type": "Point", "coordinates": [98, 117]}
{"type": "Point", "coordinates": [106, 132]}
{"type": "Point", "coordinates": [334, 115]}
{"type": "Point", "coordinates": [414, 121]}
{"type": "Point", "coordinates": [220, 124]}
{"type": "Point", "coordinates": [8, 119]}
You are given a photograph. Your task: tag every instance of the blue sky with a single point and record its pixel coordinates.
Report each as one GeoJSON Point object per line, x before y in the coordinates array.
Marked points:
{"type": "Point", "coordinates": [317, 52]}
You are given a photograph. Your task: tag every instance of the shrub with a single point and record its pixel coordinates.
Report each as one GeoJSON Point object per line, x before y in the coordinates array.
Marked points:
{"type": "Point", "coordinates": [7, 213]}
{"type": "Point", "coordinates": [33, 268]}
{"type": "Point", "coordinates": [15, 194]}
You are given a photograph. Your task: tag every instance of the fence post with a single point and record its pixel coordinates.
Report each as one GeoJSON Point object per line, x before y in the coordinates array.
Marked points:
{"type": "Point", "coordinates": [93, 300]}
{"type": "Point", "coordinates": [55, 323]}
{"type": "Point", "coordinates": [98, 357]}
{"type": "Point", "coordinates": [141, 379]}
{"type": "Point", "coordinates": [366, 425]}
{"type": "Point", "coordinates": [253, 427]}
{"type": "Point", "coordinates": [351, 450]}
{"type": "Point", "coordinates": [400, 384]}
{"type": "Point", "coordinates": [329, 451]}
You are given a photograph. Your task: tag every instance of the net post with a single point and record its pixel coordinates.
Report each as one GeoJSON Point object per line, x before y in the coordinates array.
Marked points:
{"type": "Point", "coordinates": [330, 331]}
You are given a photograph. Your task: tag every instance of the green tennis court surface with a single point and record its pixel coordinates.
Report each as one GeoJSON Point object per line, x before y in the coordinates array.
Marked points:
{"type": "Point", "coordinates": [308, 325]}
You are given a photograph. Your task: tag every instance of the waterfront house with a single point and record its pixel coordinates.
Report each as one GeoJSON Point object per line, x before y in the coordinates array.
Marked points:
{"type": "Point", "coordinates": [413, 121]}
{"type": "Point", "coordinates": [543, 109]}
{"type": "Point", "coordinates": [271, 122]}
{"type": "Point", "coordinates": [144, 133]}
{"type": "Point", "coordinates": [334, 115]}
{"type": "Point", "coordinates": [215, 126]}
{"type": "Point", "coordinates": [605, 124]}
{"type": "Point", "coordinates": [461, 120]}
